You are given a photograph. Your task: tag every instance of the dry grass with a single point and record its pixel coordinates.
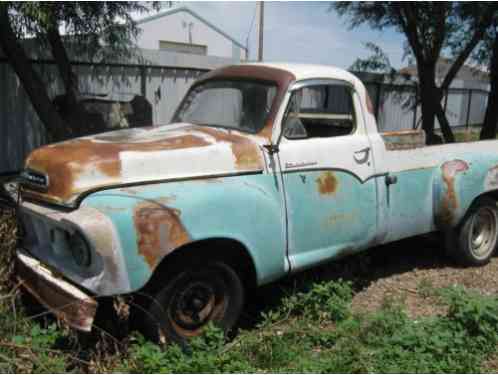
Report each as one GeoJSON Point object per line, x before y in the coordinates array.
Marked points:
{"type": "Point", "coordinates": [8, 242]}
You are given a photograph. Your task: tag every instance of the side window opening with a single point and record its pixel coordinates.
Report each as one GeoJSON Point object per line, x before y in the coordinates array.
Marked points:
{"type": "Point", "coordinates": [320, 111]}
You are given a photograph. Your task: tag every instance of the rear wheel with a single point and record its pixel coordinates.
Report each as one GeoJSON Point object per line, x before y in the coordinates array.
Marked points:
{"type": "Point", "coordinates": [194, 296]}
{"type": "Point", "coordinates": [477, 236]}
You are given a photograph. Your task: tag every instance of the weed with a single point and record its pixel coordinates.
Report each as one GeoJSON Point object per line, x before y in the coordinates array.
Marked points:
{"type": "Point", "coordinates": [324, 301]}
{"type": "Point", "coordinates": [425, 288]}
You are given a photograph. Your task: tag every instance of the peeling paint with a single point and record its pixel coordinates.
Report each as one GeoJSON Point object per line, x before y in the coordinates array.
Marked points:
{"type": "Point", "coordinates": [93, 162]}
{"type": "Point", "coordinates": [403, 140]}
{"type": "Point", "coordinates": [345, 217]}
{"type": "Point", "coordinates": [106, 273]}
{"type": "Point", "coordinates": [246, 152]}
{"type": "Point", "coordinates": [66, 301]}
{"type": "Point", "coordinates": [449, 203]}
{"type": "Point", "coordinates": [491, 181]}
{"type": "Point", "coordinates": [65, 162]}
{"type": "Point", "coordinates": [327, 183]}
{"type": "Point", "coordinates": [159, 231]}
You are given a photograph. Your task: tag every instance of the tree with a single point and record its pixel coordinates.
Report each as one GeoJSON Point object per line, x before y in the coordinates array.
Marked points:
{"type": "Point", "coordinates": [488, 54]}
{"type": "Point", "coordinates": [95, 30]}
{"type": "Point", "coordinates": [488, 130]}
{"type": "Point", "coordinates": [429, 28]}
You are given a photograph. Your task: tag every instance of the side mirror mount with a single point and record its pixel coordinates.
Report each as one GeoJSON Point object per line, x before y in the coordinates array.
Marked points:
{"type": "Point", "coordinates": [272, 148]}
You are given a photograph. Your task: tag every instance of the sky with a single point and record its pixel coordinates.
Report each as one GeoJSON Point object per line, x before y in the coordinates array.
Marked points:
{"type": "Point", "coordinates": [300, 32]}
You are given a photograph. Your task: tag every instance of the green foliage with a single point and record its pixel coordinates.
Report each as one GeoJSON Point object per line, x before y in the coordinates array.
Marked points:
{"type": "Point", "coordinates": [8, 242]}
{"type": "Point", "coordinates": [324, 301]}
{"type": "Point", "coordinates": [27, 347]}
{"type": "Point", "coordinates": [99, 30]}
{"type": "Point", "coordinates": [312, 331]}
{"type": "Point", "coordinates": [377, 62]}
{"type": "Point", "coordinates": [205, 355]}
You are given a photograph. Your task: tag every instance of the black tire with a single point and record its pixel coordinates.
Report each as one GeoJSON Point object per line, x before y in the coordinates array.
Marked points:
{"type": "Point", "coordinates": [475, 240]}
{"type": "Point", "coordinates": [196, 294]}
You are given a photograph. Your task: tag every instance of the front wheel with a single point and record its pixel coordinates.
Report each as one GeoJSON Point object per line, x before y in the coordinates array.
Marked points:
{"type": "Point", "coordinates": [196, 295]}
{"type": "Point", "coordinates": [477, 235]}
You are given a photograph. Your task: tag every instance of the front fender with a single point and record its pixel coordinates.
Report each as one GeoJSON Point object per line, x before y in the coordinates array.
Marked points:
{"type": "Point", "coordinates": [153, 221]}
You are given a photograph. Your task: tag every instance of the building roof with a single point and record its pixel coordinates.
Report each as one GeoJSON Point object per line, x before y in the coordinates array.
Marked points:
{"type": "Point", "coordinates": [194, 14]}
{"type": "Point", "coordinates": [466, 72]}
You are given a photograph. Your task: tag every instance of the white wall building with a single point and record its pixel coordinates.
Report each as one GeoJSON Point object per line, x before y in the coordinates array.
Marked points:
{"type": "Point", "coordinates": [182, 30]}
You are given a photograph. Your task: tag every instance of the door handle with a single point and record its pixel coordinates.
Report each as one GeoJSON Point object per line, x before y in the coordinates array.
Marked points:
{"type": "Point", "coordinates": [391, 180]}
{"type": "Point", "coordinates": [359, 158]}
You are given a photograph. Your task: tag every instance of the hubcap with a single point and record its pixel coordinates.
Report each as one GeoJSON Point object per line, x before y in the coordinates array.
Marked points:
{"type": "Point", "coordinates": [200, 297]}
{"type": "Point", "coordinates": [194, 305]}
{"type": "Point", "coordinates": [483, 238]}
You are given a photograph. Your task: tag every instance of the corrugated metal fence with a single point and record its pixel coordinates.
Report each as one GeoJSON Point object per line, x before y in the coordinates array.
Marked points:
{"type": "Point", "coordinates": [21, 130]}
{"type": "Point", "coordinates": [395, 109]}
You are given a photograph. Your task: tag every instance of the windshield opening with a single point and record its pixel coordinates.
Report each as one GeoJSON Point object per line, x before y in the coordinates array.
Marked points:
{"type": "Point", "coordinates": [232, 104]}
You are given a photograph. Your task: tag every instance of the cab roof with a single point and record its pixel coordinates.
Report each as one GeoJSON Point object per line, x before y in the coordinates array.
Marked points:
{"type": "Point", "coordinates": [311, 71]}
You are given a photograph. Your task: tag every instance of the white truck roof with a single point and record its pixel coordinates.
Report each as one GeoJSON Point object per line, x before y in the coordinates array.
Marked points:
{"type": "Point", "coordinates": [310, 71]}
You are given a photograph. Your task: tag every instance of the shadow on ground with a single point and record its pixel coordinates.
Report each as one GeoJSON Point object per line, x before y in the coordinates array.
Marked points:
{"type": "Point", "coordinates": [363, 269]}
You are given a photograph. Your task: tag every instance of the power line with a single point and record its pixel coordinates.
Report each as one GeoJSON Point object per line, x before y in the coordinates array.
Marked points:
{"type": "Point", "coordinates": [249, 32]}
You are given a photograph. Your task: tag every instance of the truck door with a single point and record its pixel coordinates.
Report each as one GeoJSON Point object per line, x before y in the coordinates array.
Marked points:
{"type": "Point", "coordinates": [327, 169]}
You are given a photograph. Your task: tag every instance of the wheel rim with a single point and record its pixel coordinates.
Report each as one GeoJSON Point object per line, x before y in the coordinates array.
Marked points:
{"type": "Point", "coordinates": [200, 297]}
{"type": "Point", "coordinates": [482, 241]}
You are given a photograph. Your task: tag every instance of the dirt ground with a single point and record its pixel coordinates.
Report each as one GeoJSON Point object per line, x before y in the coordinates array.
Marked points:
{"type": "Point", "coordinates": [405, 270]}
{"type": "Point", "coordinates": [402, 271]}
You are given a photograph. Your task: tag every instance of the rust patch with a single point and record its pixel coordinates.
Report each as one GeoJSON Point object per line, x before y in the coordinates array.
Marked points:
{"type": "Point", "coordinates": [491, 181]}
{"type": "Point", "coordinates": [450, 200]}
{"type": "Point", "coordinates": [246, 152]}
{"type": "Point", "coordinates": [159, 231]}
{"type": "Point", "coordinates": [76, 311]}
{"type": "Point", "coordinates": [327, 183]}
{"type": "Point", "coordinates": [65, 162]}
{"type": "Point", "coordinates": [340, 218]}
{"type": "Point", "coordinates": [403, 140]}
{"type": "Point", "coordinates": [401, 132]}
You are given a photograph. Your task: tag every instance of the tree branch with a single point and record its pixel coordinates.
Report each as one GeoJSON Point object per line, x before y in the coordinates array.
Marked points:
{"type": "Point", "coordinates": [31, 81]}
{"type": "Point", "coordinates": [463, 56]}
{"type": "Point", "coordinates": [409, 26]}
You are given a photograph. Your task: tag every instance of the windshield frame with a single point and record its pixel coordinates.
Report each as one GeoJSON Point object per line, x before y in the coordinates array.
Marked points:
{"type": "Point", "coordinates": [274, 103]}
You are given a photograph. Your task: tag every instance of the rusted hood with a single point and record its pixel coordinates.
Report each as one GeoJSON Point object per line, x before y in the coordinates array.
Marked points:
{"type": "Point", "coordinates": [139, 155]}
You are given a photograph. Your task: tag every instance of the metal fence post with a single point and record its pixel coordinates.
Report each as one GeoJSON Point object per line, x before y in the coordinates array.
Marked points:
{"type": "Point", "coordinates": [414, 126]}
{"type": "Point", "coordinates": [143, 80]}
{"type": "Point", "coordinates": [446, 100]}
{"type": "Point", "coordinates": [377, 102]}
{"type": "Point", "coordinates": [468, 109]}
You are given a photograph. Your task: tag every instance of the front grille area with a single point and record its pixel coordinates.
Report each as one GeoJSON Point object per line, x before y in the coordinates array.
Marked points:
{"type": "Point", "coordinates": [34, 179]}
{"type": "Point", "coordinates": [49, 242]}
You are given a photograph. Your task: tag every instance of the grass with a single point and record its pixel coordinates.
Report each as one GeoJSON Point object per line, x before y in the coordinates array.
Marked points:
{"type": "Point", "coordinates": [311, 329]}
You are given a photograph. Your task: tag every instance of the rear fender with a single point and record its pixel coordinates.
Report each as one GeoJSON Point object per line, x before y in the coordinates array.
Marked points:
{"type": "Point", "coordinates": [458, 182]}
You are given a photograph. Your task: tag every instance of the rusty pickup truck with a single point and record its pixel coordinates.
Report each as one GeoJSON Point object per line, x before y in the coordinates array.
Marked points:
{"type": "Point", "coordinates": [265, 170]}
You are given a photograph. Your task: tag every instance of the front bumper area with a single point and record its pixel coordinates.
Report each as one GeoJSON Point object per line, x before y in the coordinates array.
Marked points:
{"type": "Point", "coordinates": [66, 301]}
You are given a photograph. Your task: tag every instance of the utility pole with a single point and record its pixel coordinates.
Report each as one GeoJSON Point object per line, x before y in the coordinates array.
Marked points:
{"type": "Point", "coordinates": [261, 22]}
